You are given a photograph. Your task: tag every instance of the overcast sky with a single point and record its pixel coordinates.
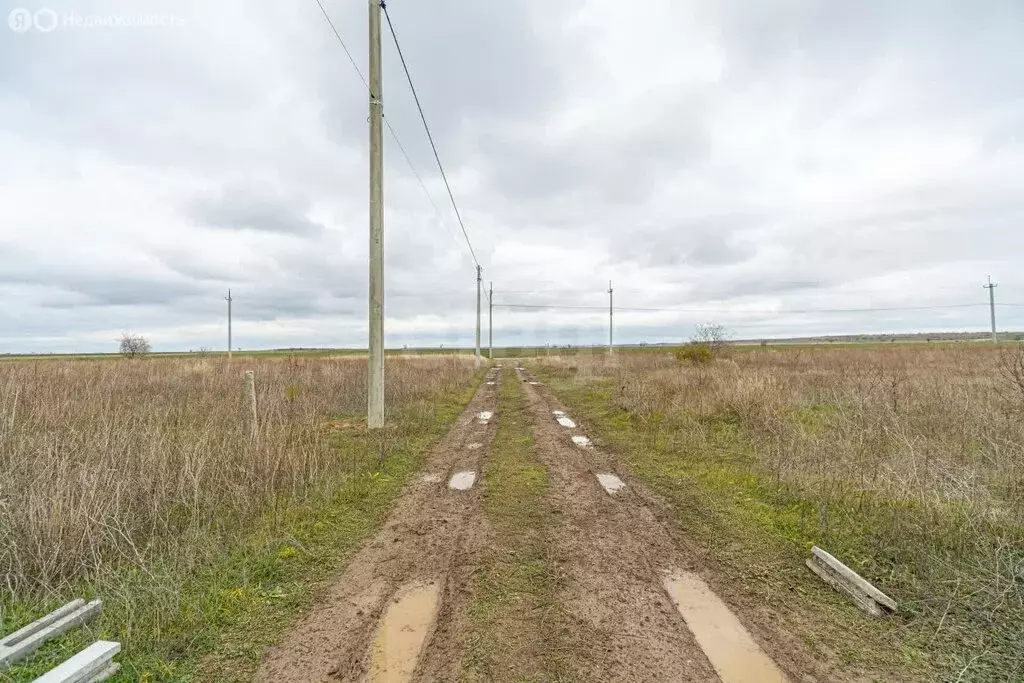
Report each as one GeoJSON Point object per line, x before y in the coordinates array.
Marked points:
{"type": "Point", "coordinates": [747, 160]}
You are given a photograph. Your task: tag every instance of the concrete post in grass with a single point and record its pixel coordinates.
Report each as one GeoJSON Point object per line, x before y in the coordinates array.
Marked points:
{"type": "Point", "coordinates": [250, 395]}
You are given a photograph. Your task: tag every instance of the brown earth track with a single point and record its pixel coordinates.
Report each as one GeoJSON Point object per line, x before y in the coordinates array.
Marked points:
{"type": "Point", "coordinates": [640, 521]}
{"type": "Point", "coordinates": [612, 550]}
{"type": "Point", "coordinates": [421, 540]}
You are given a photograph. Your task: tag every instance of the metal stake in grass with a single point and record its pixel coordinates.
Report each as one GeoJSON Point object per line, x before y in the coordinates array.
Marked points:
{"type": "Point", "coordinates": [250, 394]}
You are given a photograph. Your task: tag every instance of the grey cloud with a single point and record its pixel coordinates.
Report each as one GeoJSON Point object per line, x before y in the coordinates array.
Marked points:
{"type": "Point", "coordinates": [250, 208]}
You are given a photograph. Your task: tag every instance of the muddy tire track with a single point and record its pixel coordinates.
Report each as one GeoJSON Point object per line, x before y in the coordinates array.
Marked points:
{"type": "Point", "coordinates": [611, 552]}
{"type": "Point", "coordinates": [420, 543]}
{"type": "Point", "coordinates": [645, 519]}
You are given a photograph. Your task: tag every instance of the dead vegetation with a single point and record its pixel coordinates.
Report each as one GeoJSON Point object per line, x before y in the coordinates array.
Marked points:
{"type": "Point", "coordinates": [114, 463]}
{"type": "Point", "coordinates": [906, 461]}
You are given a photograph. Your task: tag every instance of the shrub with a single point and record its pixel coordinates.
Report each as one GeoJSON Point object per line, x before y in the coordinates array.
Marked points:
{"type": "Point", "coordinates": [134, 345]}
{"type": "Point", "coordinates": [695, 353]}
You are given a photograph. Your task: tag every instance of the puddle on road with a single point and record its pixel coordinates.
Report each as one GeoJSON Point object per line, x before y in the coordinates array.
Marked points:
{"type": "Point", "coordinates": [402, 633]}
{"type": "Point", "coordinates": [462, 481]}
{"type": "Point", "coordinates": [484, 417]}
{"type": "Point", "coordinates": [731, 650]}
{"type": "Point", "coordinates": [581, 441]}
{"type": "Point", "coordinates": [610, 483]}
{"type": "Point", "coordinates": [566, 422]}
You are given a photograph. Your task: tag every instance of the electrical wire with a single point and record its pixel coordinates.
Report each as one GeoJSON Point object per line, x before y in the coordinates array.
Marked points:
{"type": "Point", "coordinates": [737, 310]}
{"type": "Point", "coordinates": [426, 127]}
{"type": "Point", "coordinates": [394, 135]}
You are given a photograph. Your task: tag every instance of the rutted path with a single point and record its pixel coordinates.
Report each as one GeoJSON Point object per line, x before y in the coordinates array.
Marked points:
{"type": "Point", "coordinates": [521, 553]}
{"type": "Point", "coordinates": [397, 595]}
{"type": "Point", "coordinates": [628, 579]}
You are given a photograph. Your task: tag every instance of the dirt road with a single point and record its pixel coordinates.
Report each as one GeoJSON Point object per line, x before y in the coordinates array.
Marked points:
{"type": "Point", "coordinates": [543, 562]}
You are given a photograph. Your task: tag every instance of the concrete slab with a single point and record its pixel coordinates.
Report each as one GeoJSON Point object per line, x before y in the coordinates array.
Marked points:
{"type": "Point", "coordinates": [484, 417]}
{"type": "Point", "coordinates": [566, 422]}
{"type": "Point", "coordinates": [610, 483]}
{"type": "Point", "coordinates": [728, 646]}
{"type": "Point", "coordinates": [581, 441]}
{"type": "Point", "coordinates": [403, 633]}
{"type": "Point", "coordinates": [462, 481]}
{"type": "Point", "coordinates": [84, 666]}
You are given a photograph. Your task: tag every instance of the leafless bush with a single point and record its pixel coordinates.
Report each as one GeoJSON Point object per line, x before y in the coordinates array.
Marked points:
{"type": "Point", "coordinates": [106, 462]}
{"type": "Point", "coordinates": [133, 345]}
{"type": "Point", "coordinates": [1011, 375]}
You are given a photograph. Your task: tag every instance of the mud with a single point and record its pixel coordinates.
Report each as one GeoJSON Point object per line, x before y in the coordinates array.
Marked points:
{"type": "Point", "coordinates": [420, 543]}
{"type": "Point", "coordinates": [733, 653]}
{"type": "Point", "coordinates": [403, 632]}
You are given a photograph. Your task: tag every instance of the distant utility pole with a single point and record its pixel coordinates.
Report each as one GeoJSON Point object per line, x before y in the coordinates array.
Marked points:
{"type": "Point", "coordinates": [375, 385]}
{"type": "Point", "coordinates": [479, 279]}
{"type": "Point", "coordinates": [611, 293]}
{"type": "Point", "coordinates": [991, 287]}
{"type": "Point", "coordinates": [490, 321]}
{"type": "Point", "coordinates": [229, 323]}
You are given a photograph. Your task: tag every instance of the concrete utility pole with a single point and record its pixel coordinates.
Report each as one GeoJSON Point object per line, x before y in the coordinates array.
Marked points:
{"type": "Point", "coordinates": [375, 384]}
{"type": "Point", "coordinates": [479, 279]}
{"type": "Point", "coordinates": [490, 321]}
{"type": "Point", "coordinates": [991, 287]}
{"type": "Point", "coordinates": [611, 345]}
{"type": "Point", "coordinates": [229, 323]}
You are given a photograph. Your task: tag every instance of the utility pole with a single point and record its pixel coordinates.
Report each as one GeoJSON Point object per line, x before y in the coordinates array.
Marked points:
{"type": "Point", "coordinates": [375, 384]}
{"type": "Point", "coordinates": [991, 287]}
{"type": "Point", "coordinates": [490, 321]}
{"type": "Point", "coordinates": [611, 345]}
{"type": "Point", "coordinates": [479, 279]}
{"type": "Point", "coordinates": [229, 324]}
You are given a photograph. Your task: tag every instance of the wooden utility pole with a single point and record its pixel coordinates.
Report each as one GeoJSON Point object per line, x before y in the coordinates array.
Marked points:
{"type": "Point", "coordinates": [375, 385]}
{"type": "Point", "coordinates": [479, 278]}
{"type": "Point", "coordinates": [490, 321]}
{"type": "Point", "coordinates": [229, 324]}
{"type": "Point", "coordinates": [991, 287]}
{"type": "Point", "coordinates": [611, 345]}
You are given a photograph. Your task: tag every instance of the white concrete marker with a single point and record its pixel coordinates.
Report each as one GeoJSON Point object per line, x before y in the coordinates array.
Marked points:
{"type": "Point", "coordinates": [566, 422]}
{"type": "Point", "coordinates": [581, 441]}
{"type": "Point", "coordinates": [484, 417]}
{"type": "Point", "coordinates": [474, 446]}
{"type": "Point", "coordinates": [558, 413]}
{"type": "Point", "coordinates": [610, 483]}
{"type": "Point", "coordinates": [728, 646]}
{"type": "Point", "coordinates": [462, 481]}
{"type": "Point", "coordinates": [490, 384]}
{"type": "Point", "coordinates": [432, 478]}
{"type": "Point", "coordinates": [535, 383]}
{"type": "Point", "coordinates": [24, 642]}
{"type": "Point", "coordinates": [88, 665]}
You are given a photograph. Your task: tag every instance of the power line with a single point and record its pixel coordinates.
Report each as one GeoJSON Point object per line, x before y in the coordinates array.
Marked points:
{"type": "Point", "coordinates": [739, 310]}
{"type": "Point", "coordinates": [394, 135]}
{"type": "Point", "coordinates": [426, 127]}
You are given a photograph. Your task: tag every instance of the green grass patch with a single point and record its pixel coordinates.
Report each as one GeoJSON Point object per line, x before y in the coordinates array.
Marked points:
{"type": "Point", "coordinates": [212, 617]}
{"type": "Point", "coordinates": [759, 530]}
{"type": "Point", "coordinates": [514, 589]}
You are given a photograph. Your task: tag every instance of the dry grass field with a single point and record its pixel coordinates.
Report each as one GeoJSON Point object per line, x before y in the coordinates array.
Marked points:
{"type": "Point", "coordinates": [906, 462]}
{"type": "Point", "coordinates": [141, 482]}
